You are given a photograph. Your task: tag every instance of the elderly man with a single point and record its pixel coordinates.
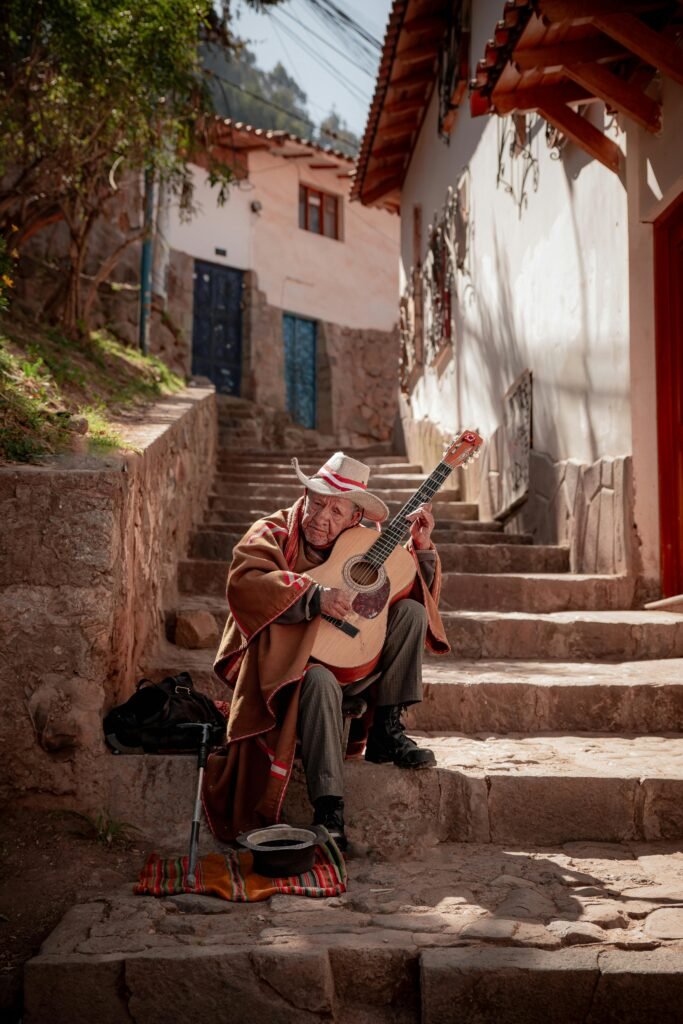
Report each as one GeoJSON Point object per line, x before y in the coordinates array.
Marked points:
{"type": "Point", "coordinates": [281, 694]}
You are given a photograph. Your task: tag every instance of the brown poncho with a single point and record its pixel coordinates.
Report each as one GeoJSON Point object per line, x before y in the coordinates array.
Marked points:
{"type": "Point", "coordinates": [264, 662]}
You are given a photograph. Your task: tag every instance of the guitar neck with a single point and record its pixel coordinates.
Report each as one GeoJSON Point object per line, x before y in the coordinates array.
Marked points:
{"type": "Point", "coordinates": [397, 529]}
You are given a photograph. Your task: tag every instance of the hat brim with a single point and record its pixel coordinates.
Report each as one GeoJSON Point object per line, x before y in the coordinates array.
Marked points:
{"type": "Point", "coordinates": [372, 506]}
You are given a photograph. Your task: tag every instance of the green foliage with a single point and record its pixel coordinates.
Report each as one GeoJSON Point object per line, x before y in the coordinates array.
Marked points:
{"type": "Point", "coordinates": [101, 827]}
{"type": "Point", "coordinates": [46, 380]}
{"type": "Point", "coordinates": [236, 83]}
{"type": "Point", "coordinates": [91, 91]}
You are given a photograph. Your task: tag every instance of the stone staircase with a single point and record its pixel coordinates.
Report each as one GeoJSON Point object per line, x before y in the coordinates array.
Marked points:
{"type": "Point", "coordinates": [553, 820]}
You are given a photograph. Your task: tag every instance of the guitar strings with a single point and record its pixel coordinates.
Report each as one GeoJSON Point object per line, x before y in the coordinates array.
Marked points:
{"type": "Point", "coordinates": [398, 526]}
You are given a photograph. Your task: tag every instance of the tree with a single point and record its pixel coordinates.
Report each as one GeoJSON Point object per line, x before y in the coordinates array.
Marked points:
{"type": "Point", "coordinates": [91, 90]}
{"type": "Point", "coordinates": [244, 92]}
{"type": "Point", "coordinates": [335, 132]}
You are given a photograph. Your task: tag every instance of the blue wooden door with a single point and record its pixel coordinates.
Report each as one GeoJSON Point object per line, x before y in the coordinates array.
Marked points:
{"type": "Point", "coordinates": [217, 325]}
{"type": "Point", "coordinates": [299, 338]}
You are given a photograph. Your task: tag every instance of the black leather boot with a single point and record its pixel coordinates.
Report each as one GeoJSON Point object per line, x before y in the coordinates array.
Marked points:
{"type": "Point", "coordinates": [329, 811]}
{"type": "Point", "coordinates": [387, 741]}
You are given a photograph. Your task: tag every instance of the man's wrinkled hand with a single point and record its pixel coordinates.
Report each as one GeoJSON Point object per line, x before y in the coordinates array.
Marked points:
{"type": "Point", "coordinates": [335, 602]}
{"type": "Point", "coordinates": [421, 526]}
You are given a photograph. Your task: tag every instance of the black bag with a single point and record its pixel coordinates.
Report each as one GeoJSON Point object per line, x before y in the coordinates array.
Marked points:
{"type": "Point", "coordinates": [148, 723]}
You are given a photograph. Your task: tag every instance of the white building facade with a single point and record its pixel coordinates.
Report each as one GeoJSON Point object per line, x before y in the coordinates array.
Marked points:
{"type": "Point", "coordinates": [528, 220]}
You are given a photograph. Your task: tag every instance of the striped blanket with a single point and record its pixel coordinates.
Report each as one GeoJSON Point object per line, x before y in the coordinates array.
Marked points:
{"type": "Point", "coordinates": [231, 877]}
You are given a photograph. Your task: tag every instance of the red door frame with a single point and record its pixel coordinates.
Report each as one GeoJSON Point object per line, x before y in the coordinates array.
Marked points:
{"type": "Point", "coordinates": [668, 278]}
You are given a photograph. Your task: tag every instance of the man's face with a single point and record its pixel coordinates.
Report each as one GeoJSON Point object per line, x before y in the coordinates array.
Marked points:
{"type": "Point", "coordinates": [326, 517]}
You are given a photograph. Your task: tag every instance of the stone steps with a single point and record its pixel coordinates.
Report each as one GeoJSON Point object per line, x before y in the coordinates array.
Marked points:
{"type": "Point", "coordinates": [283, 459]}
{"type": "Point", "coordinates": [543, 591]}
{"type": "Point", "coordinates": [502, 558]}
{"type": "Point", "coordinates": [446, 532]}
{"type": "Point", "coordinates": [403, 473]}
{"type": "Point", "coordinates": [462, 934]}
{"type": "Point", "coordinates": [504, 592]}
{"type": "Point", "coordinates": [503, 696]}
{"type": "Point", "coordinates": [282, 496]}
{"type": "Point", "coordinates": [544, 696]}
{"type": "Point", "coordinates": [256, 507]}
{"type": "Point", "coordinates": [565, 636]}
{"type": "Point", "coordinates": [539, 789]}
{"type": "Point", "coordinates": [216, 540]}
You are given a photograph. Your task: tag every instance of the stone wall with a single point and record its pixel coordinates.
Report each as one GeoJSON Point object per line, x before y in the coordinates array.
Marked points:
{"type": "Point", "coordinates": [587, 508]}
{"type": "Point", "coordinates": [88, 554]}
{"type": "Point", "coordinates": [357, 370]}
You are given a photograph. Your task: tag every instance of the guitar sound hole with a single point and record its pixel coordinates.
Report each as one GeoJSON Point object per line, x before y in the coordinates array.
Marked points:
{"type": "Point", "coordinates": [364, 574]}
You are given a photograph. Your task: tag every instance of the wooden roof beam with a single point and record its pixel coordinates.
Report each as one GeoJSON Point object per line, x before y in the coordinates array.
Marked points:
{"type": "Point", "coordinates": [424, 23]}
{"type": "Point", "coordinates": [404, 106]}
{"type": "Point", "coordinates": [371, 195]}
{"type": "Point", "coordinates": [413, 79]}
{"type": "Point", "coordinates": [533, 98]}
{"type": "Point", "coordinates": [652, 47]}
{"type": "Point", "coordinates": [392, 149]}
{"type": "Point", "coordinates": [584, 134]}
{"type": "Point", "coordinates": [584, 12]}
{"type": "Point", "coordinates": [400, 130]}
{"type": "Point", "coordinates": [413, 55]}
{"type": "Point", "coordinates": [617, 93]}
{"type": "Point", "coordinates": [580, 51]}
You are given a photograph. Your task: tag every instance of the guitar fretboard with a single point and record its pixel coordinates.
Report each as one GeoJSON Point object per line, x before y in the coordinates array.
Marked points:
{"type": "Point", "coordinates": [395, 532]}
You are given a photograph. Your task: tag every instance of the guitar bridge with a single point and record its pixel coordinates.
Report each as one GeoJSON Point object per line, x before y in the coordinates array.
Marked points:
{"type": "Point", "coordinates": [341, 624]}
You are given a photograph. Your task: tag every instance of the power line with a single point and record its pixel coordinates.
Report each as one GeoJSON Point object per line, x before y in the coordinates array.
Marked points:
{"type": "Point", "coordinates": [275, 106]}
{"type": "Point", "coordinates": [322, 39]}
{"type": "Point", "coordinates": [335, 72]}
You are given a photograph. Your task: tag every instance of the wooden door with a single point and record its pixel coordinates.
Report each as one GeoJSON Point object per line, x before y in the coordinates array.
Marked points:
{"type": "Point", "coordinates": [669, 334]}
{"type": "Point", "coordinates": [217, 325]}
{"type": "Point", "coordinates": [300, 368]}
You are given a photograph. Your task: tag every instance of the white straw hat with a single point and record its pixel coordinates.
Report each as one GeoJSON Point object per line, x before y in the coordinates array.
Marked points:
{"type": "Point", "coordinates": [345, 477]}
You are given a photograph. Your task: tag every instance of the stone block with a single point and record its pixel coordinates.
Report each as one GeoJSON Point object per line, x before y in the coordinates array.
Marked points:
{"type": "Point", "coordinates": [72, 990]}
{"type": "Point", "coordinates": [302, 977]}
{"type": "Point", "coordinates": [642, 988]}
{"type": "Point", "coordinates": [195, 984]}
{"type": "Point", "coordinates": [508, 986]}
{"type": "Point", "coordinates": [368, 975]}
{"type": "Point", "coordinates": [195, 630]}
{"type": "Point", "coordinates": [662, 808]}
{"type": "Point", "coordinates": [556, 809]}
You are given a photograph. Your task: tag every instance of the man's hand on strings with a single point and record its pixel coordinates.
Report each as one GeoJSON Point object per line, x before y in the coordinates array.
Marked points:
{"type": "Point", "coordinates": [421, 526]}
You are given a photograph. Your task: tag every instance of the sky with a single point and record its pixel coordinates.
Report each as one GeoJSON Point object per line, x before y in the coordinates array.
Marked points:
{"type": "Point", "coordinates": [329, 78]}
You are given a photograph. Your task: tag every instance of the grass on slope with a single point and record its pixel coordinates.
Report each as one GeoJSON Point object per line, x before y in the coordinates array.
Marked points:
{"type": "Point", "coordinates": [53, 390]}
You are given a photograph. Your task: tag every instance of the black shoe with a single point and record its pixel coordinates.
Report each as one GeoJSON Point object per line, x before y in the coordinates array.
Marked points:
{"type": "Point", "coordinates": [329, 812]}
{"type": "Point", "coordinates": [387, 742]}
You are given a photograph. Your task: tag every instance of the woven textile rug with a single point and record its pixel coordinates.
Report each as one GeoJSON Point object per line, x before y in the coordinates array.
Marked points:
{"type": "Point", "coordinates": [231, 876]}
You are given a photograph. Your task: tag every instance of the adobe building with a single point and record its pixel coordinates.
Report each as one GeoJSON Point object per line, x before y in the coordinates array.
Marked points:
{"type": "Point", "coordinates": [287, 291]}
{"type": "Point", "coordinates": [534, 153]}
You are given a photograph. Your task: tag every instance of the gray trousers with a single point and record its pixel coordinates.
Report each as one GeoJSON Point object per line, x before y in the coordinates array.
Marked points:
{"type": "Point", "coordinates": [398, 680]}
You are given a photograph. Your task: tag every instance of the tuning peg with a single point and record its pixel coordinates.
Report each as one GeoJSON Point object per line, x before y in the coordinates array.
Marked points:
{"type": "Point", "coordinates": [477, 453]}
{"type": "Point", "coordinates": [465, 464]}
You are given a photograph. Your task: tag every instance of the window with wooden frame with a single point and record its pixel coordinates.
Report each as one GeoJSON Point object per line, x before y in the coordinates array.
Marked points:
{"type": "Point", "coordinates": [319, 212]}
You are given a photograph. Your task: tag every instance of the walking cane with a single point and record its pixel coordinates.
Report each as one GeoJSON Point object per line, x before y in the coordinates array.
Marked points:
{"type": "Point", "coordinates": [202, 757]}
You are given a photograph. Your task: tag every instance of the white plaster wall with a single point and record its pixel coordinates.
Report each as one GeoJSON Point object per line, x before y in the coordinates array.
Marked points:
{"type": "Point", "coordinates": [214, 227]}
{"type": "Point", "coordinates": [352, 282]}
{"type": "Point", "coordinates": [546, 287]}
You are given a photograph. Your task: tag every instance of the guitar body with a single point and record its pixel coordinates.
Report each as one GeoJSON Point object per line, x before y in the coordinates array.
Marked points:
{"type": "Point", "coordinates": [353, 657]}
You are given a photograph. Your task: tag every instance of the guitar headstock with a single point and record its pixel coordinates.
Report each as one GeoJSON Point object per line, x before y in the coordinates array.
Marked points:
{"type": "Point", "coordinates": [464, 449]}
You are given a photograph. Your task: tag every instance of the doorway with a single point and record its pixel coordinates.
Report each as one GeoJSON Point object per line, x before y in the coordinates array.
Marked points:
{"type": "Point", "coordinates": [300, 369]}
{"type": "Point", "coordinates": [668, 266]}
{"type": "Point", "coordinates": [217, 325]}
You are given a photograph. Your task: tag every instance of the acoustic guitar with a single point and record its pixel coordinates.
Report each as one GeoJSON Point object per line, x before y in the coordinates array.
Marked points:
{"type": "Point", "coordinates": [379, 571]}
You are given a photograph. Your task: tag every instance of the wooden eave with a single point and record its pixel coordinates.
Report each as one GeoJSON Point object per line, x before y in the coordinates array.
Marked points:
{"type": "Point", "coordinates": [404, 86]}
{"type": "Point", "coordinates": [564, 53]}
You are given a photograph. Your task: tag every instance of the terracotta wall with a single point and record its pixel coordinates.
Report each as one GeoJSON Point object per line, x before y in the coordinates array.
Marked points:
{"type": "Point", "coordinates": [88, 554]}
